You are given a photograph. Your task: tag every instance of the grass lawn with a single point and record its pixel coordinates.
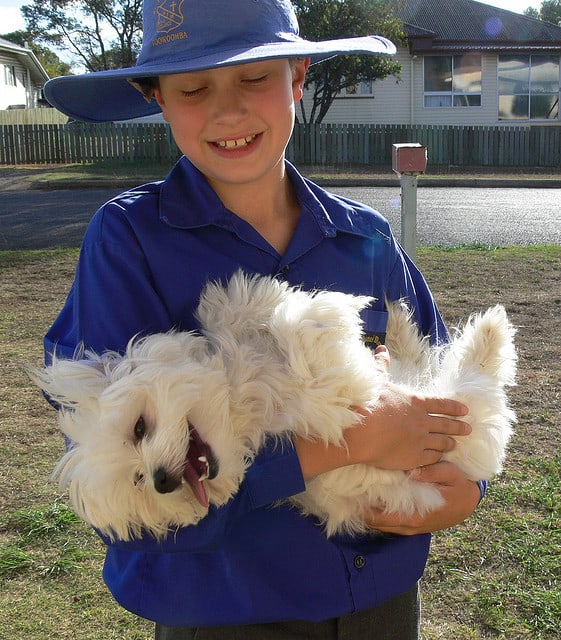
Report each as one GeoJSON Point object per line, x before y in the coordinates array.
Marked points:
{"type": "Point", "coordinates": [496, 576]}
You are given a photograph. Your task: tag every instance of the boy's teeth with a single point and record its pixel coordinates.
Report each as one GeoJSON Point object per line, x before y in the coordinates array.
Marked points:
{"type": "Point", "coordinates": [232, 144]}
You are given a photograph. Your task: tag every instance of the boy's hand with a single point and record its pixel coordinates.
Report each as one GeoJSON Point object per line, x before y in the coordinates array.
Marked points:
{"type": "Point", "coordinates": [403, 431]}
{"type": "Point", "coordinates": [461, 495]}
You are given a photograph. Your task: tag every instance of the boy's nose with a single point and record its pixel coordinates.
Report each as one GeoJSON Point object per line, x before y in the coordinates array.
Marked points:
{"type": "Point", "coordinates": [228, 104]}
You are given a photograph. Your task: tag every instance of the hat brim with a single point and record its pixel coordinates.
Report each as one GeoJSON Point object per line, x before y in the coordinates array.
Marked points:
{"type": "Point", "coordinates": [104, 96]}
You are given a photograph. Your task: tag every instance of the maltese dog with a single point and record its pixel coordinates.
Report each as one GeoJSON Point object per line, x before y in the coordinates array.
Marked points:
{"type": "Point", "coordinates": [167, 429]}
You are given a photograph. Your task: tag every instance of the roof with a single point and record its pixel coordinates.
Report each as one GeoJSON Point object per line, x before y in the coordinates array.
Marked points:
{"type": "Point", "coordinates": [466, 24]}
{"type": "Point", "coordinates": [27, 58]}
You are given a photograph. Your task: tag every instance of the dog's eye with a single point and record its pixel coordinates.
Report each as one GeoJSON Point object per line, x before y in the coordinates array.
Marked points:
{"type": "Point", "coordinates": [138, 478]}
{"type": "Point", "coordinates": [140, 429]}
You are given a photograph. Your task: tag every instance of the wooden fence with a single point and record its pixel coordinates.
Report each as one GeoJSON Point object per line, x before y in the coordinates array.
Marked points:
{"type": "Point", "coordinates": [322, 144]}
{"type": "Point", "coordinates": [447, 145]}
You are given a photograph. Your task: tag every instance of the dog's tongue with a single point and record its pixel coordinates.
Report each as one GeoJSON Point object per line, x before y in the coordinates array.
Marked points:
{"type": "Point", "coordinates": [200, 465]}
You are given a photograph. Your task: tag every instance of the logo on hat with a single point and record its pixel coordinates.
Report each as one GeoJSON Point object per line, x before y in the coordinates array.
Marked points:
{"type": "Point", "coordinates": [169, 15]}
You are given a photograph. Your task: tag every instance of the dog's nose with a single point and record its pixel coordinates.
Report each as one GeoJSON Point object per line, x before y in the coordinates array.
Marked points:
{"type": "Point", "coordinates": [165, 482]}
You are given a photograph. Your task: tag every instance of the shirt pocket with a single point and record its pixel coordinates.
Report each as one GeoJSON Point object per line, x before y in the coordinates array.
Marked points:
{"type": "Point", "coordinates": [375, 326]}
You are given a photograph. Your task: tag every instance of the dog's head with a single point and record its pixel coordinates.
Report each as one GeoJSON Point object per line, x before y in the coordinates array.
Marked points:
{"type": "Point", "coordinates": [149, 431]}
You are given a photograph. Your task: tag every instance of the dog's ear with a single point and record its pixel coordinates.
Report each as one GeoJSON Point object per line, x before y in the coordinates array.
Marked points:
{"type": "Point", "coordinates": [71, 383]}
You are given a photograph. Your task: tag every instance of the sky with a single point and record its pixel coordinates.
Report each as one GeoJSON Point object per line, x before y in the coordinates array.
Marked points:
{"type": "Point", "coordinates": [11, 18]}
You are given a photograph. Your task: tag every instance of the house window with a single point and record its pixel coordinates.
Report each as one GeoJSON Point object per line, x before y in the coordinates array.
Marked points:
{"type": "Point", "coordinates": [360, 89]}
{"type": "Point", "coordinates": [10, 76]}
{"type": "Point", "coordinates": [528, 87]}
{"type": "Point", "coordinates": [452, 81]}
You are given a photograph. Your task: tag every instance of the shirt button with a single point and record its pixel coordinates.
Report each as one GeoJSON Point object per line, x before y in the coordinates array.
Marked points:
{"type": "Point", "coordinates": [359, 562]}
{"type": "Point", "coordinates": [282, 274]}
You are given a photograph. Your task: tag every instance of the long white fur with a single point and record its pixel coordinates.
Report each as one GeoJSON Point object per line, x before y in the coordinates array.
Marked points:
{"type": "Point", "coordinates": [270, 359]}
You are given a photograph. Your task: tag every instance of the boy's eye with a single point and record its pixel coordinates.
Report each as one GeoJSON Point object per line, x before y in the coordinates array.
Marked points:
{"type": "Point", "coordinates": [192, 92]}
{"type": "Point", "coordinates": [257, 80]}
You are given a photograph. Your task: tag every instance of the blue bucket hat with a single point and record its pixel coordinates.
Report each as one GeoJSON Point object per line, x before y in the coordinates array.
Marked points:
{"type": "Point", "coordinates": [192, 35]}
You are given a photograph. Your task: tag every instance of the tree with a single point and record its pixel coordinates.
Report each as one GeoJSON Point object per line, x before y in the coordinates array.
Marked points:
{"type": "Point", "coordinates": [49, 60]}
{"type": "Point", "coordinates": [331, 19]}
{"type": "Point", "coordinates": [550, 11]}
{"type": "Point", "coordinates": [102, 34]}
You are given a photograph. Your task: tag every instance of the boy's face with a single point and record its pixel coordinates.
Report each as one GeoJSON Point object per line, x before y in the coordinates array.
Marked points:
{"type": "Point", "coordinates": [234, 123]}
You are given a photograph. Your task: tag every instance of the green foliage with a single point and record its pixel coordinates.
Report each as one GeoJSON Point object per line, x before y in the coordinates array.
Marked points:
{"type": "Point", "coordinates": [34, 524]}
{"type": "Point", "coordinates": [13, 561]}
{"type": "Point", "coordinates": [80, 27]}
{"type": "Point", "coordinates": [550, 11]}
{"type": "Point", "coordinates": [30, 532]}
{"type": "Point", "coordinates": [333, 19]}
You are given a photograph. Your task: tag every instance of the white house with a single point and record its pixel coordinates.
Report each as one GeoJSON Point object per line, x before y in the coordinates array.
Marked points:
{"type": "Point", "coordinates": [21, 77]}
{"type": "Point", "coordinates": [466, 63]}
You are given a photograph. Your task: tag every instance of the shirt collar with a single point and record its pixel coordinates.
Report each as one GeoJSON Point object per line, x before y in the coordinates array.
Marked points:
{"type": "Point", "coordinates": [187, 201]}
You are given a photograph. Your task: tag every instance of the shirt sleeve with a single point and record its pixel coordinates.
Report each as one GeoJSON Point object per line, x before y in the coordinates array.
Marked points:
{"type": "Point", "coordinates": [112, 298]}
{"type": "Point", "coordinates": [276, 474]}
{"type": "Point", "coordinates": [407, 282]}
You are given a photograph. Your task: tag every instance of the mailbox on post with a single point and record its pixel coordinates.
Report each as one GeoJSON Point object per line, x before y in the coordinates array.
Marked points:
{"type": "Point", "coordinates": [409, 160]}
{"type": "Point", "coordinates": [409, 157]}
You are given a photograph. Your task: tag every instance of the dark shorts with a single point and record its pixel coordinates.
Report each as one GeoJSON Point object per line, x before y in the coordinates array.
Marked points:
{"type": "Point", "coordinates": [395, 619]}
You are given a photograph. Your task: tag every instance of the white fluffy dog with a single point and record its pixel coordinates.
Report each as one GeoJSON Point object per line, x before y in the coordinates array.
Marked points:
{"type": "Point", "coordinates": [163, 431]}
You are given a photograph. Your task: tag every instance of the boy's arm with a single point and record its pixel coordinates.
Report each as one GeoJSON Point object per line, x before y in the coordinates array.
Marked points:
{"type": "Point", "coordinates": [111, 299]}
{"type": "Point", "coordinates": [363, 445]}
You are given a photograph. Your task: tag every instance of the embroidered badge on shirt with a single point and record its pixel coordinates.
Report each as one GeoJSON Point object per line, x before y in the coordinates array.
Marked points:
{"type": "Point", "coordinates": [373, 340]}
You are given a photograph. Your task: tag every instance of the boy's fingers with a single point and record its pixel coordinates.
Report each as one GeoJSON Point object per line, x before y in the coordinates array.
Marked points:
{"type": "Point", "coordinates": [445, 407]}
{"type": "Point", "coordinates": [382, 355]}
{"type": "Point", "coordinates": [440, 425]}
{"type": "Point", "coordinates": [429, 457]}
{"type": "Point", "coordinates": [437, 445]}
{"type": "Point", "coordinates": [442, 473]}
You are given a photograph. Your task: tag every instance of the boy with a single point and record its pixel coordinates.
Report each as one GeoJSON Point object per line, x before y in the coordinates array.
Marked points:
{"type": "Point", "coordinates": [226, 74]}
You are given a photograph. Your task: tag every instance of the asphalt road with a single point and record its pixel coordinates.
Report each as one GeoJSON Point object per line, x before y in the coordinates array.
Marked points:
{"type": "Point", "coordinates": [452, 216]}
{"type": "Point", "coordinates": [42, 219]}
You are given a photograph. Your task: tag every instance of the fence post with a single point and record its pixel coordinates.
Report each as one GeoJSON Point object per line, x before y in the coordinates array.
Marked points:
{"type": "Point", "coordinates": [409, 160]}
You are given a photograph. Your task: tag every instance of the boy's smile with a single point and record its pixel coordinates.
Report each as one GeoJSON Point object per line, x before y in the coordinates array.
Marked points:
{"type": "Point", "coordinates": [234, 144]}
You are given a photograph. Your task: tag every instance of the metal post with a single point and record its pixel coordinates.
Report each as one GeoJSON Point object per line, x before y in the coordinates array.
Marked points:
{"type": "Point", "coordinates": [409, 213]}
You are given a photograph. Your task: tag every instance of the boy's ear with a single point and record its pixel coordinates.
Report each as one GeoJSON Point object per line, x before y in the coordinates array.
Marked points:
{"type": "Point", "coordinates": [157, 95]}
{"type": "Point", "coordinates": [299, 71]}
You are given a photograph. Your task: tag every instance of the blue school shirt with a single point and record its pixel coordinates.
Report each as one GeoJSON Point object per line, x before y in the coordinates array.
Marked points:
{"type": "Point", "coordinates": [145, 258]}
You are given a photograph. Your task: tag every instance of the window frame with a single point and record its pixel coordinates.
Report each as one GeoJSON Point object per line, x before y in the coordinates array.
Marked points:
{"type": "Point", "coordinates": [529, 94]}
{"type": "Point", "coordinates": [454, 98]}
{"type": "Point", "coordinates": [10, 77]}
{"type": "Point", "coordinates": [368, 92]}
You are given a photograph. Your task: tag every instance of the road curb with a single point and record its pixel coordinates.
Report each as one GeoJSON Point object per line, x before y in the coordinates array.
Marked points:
{"type": "Point", "coordinates": [478, 183]}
